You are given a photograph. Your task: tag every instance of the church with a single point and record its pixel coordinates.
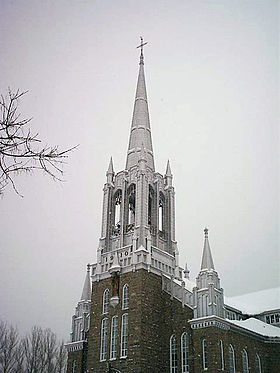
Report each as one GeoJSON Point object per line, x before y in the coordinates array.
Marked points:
{"type": "Point", "coordinates": [139, 312]}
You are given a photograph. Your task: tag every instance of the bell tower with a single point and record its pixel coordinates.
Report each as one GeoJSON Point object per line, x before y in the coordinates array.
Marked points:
{"type": "Point", "coordinates": [138, 218]}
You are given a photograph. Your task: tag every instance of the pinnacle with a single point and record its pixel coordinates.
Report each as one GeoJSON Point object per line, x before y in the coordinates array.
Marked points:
{"type": "Point", "coordinates": [207, 260]}
{"type": "Point", "coordinates": [110, 167]}
{"type": "Point", "coordinates": [168, 169]}
{"type": "Point", "coordinates": [86, 294]}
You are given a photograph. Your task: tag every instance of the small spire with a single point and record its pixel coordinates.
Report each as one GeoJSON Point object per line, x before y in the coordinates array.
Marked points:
{"type": "Point", "coordinates": [187, 272]}
{"type": "Point", "coordinates": [110, 173]}
{"type": "Point", "coordinates": [86, 294]}
{"type": "Point", "coordinates": [207, 260]}
{"type": "Point", "coordinates": [168, 170]}
{"type": "Point", "coordinates": [110, 167]}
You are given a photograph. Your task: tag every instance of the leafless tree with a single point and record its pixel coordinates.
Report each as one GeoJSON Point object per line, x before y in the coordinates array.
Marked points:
{"type": "Point", "coordinates": [20, 150]}
{"type": "Point", "coordinates": [37, 352]}
{"type": "Point", "coordinates": [42, 352]}
{"type": "Point", "coordinates": [10, 349]}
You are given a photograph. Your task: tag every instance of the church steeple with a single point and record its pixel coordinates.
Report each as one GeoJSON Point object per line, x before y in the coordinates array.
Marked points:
{"type": "Point", "coordinates": [208, 295]}
{"type": "Point", "coordinates": [207, 260]}
{"type": "Point", "coordinates": [140, 131]}
{"type": "Point", "coordinates": [86, 294]}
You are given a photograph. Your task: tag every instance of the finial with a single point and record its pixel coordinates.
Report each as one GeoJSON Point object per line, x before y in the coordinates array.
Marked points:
{"type": "Point", "coordinates": [168, 169]}
{"type": "Point", "coordinates": [206, 232]}
{"type": "Point", "coordinates": [141, 46]}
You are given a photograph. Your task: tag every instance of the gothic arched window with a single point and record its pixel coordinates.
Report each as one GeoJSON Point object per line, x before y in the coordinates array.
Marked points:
{"type": "Point", "coordinates": [125, 297]}
{"type": "Point", "coordinates": [245, 366]}
{"type": "Point", "coordinates": [222, 355]}
{"type": "Point", "coordinates": [173, 355]}
{"type": "Point", "coordinates": [204, 355]}
{"type": "Point", "coordinates": [117, 211]}
{"type": "Point", "coordinates": [131, 204]}
{"type": "Point", "coordinates": [151, 206]}
{"type": "Point", "coordinates": [161, 213]}
{"type": "Point", "coordinates": [106, 300]}
{"type": "Point", "coordinates": [124, 335]}
{"type": "Point", "coordinates": [185, 353]}
{"type": "Point", "coordinates": [258, 364]}
{"type": "Point", "coordinates": [231, 359]}
{"type": "Point", "coordinates": [114, 337]}
{"type": "Point", "coordinates": [103, 341]}
{"type": "Point", "coordinates": [74, 367]}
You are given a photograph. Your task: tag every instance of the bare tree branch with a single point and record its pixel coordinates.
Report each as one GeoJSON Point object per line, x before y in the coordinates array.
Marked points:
{"type": "Point", "coordinates": [19, 151]}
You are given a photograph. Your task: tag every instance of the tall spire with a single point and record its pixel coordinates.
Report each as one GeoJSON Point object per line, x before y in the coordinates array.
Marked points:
{"type": "Point", "coordinates": [140, 131]}
{"type": "Point", "coordinates": [86, 294]}
{"type": "Point", "coordinates": [207, 260]}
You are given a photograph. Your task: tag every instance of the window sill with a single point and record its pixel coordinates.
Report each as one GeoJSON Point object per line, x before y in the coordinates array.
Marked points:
{"type": "Point", "coordinates": [123, 357]}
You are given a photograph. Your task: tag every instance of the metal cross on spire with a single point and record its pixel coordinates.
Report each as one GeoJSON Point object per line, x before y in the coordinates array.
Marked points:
{"type": "Point", "coordinates": [141, 46]}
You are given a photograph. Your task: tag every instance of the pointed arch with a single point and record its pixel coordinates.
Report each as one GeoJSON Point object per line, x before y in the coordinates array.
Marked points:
{"type": "Point", "coordinates": [117, 202]}
{"type": "Point", "coordinates": [245, 364]}
{"type": "Point", "coordinates": [231, 356]}
{"type": "Point", "coordinates": [185, 352]}
{"type": "Point", "coordinates": [258, 364]}
{"type": "Point", "coordinates": [131, 194]}
{"type": "Point", "coordinates": [124, 335]}
{"type": "Point", "coordinates": [222, 355]}
{"type": "Point", "coordinates": [161, 212]}
{"type": "Point", "coordinates": [125, 297]}
{"type": "Point", "coordinates": [173, 354]}
{"type": "Point", "coordinates": [103, 341]}
{"type": "Point", "coordinates": [114, 337]}
{"type": "Point", "coordinates": [151, 207]}
{"type": "Point", "coordinates": [106, 301]}
{"type": "Point", "coordinates": [74, 366]}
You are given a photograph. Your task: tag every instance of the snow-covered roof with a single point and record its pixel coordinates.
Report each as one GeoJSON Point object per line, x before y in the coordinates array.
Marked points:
{"type": "Point", "coordinates": [258, 326]}
{"type": "Point", "coordinates": [257, 302]}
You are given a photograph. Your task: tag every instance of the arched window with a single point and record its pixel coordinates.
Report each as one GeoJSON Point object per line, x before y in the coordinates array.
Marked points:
{"type": "Point", "coordinates": [124, 335]}
{"type": "Point", "coordinates": [125, 297]}
{"type": "Point", "coordinates": [258, 364]}
{"type": "Point", "coordinates": [106, 300]}
{"type": "Point", "coordinates": [222, 355]}
{"type": "Point", "coordinates": [114, 337]}
{"type": "Point", "coordinates": [204, 355]}
{"type": "Point", "coordinates": [74, 367]}
{"type": "Point", "coordinates": [245, 365]}
{"type": "Point", "coordinates": [117, 212]}
{"type": "Point", "coordinates": [161, 213]}
{"type": "Point", "coordinates": [185, 353]}
{"type": "Point", "coordinates": [151, 205]}
{"type": "Point", "coordinates": [231, 359]}
{"type": "Point", "coordinates": [173, 355]}
{"type": "Point", "coordinates": [103, 342]}
{"type": "Point", "coordinates": [131, 204]}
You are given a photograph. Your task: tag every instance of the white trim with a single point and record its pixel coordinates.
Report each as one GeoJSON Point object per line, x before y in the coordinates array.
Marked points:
{"type": "Point", "coordinates": [204, 355]}
{"type": "Point", "coordinates": [173, 367]}
{"type": "Point", "coordinates": [231, 355]}
{"type": "Point", "coordinates": [114, 338]}
{"type": "Point", "coordinates": [222, 355]}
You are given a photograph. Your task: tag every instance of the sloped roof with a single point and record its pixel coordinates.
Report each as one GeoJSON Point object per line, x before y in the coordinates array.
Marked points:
{"type": "Point", "coordinates": [258, 326]}
{"type": "Point", "coordinates": [256, 302]}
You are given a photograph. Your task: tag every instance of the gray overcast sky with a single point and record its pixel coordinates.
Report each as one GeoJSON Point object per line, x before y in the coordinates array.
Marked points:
{"type": "Point", "coordinates": [212, 79]}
